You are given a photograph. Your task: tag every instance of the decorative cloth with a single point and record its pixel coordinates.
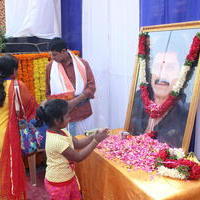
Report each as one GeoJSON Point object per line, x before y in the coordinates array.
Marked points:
{"type": "Point", "coordinates": [60, 85]}
{"type": "Point", "coordinates": [12, 173]}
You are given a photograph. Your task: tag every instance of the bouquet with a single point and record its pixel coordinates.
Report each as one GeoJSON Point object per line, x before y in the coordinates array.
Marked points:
{"type": "Point", "coordinates": [173, 162]}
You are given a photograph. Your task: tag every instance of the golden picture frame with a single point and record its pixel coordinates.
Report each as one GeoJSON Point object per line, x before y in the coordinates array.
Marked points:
{"type": "Point", "coordinates": [174, 31]}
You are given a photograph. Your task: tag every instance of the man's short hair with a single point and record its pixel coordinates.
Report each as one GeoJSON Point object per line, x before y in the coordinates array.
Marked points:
{"type": "Point", "coordinates": [57, 44]}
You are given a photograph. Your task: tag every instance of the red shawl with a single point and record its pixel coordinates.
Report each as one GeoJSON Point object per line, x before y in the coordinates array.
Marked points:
{"type": "Point", "coordinates": [12, 173]}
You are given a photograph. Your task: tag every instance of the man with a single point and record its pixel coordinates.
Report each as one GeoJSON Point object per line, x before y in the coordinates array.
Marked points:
{"type": "Point", "coordinates": [170, 127]}
{"type": "Point", "coordinates": [70, 77]}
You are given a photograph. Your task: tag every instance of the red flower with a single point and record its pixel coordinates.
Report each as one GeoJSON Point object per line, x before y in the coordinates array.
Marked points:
{"type": "Point", "coordinates": [143, 45]}
{"type": "Point", "coordinates": [152, 108]}
{"type": "Point", "coordinates": [152, 134]}
{"type": "Point", "coordinates": [194, 50]}
{"type": "Point", "coordinates": [170, 163]}
{"type": "Point", "coordinates": [195, 172]}
{"type": "Point", "coordinates": [163, 154]}
{"type": "Point", "coordinates": [186, 162]}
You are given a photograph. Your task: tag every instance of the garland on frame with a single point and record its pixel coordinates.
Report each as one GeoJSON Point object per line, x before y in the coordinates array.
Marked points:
{"type": "Point", "coordinates": [154, 110]}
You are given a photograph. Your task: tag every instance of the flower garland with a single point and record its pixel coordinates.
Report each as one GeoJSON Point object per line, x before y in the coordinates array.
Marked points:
{"type": "Point", "coordinates": [26, 69]}
{"type": "Point", "coordinates": [32, 70]}
{"type": "Point", "coordinates": [173, 163]}
{"type": "Point", "coordinates": [25, 73]}
{"type": "Point", "coordinates": [39, 68]}
{"type": "Point", "coordinates": [154, 110]}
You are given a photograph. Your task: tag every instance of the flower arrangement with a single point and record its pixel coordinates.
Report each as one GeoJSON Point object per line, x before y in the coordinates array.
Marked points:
{"type": "Point", "coordinates": [144, 152]}
{"type": "Point", "coordinates": [173, 163]}
{"type": "Point", "coordinates": [39, 69]}
{"type": "Point", "coordinates": [154, 110]}
{"type": "Point", "coordinates": [25, 73]}
{"type": "Point", "coordinates": [138, 152]}
{"type": "Point", "coordinates": [32, 71]}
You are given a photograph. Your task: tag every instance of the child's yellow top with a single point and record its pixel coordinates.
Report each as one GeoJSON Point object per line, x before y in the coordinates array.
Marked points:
{"type": "Point", "coordinates": [58, 167]}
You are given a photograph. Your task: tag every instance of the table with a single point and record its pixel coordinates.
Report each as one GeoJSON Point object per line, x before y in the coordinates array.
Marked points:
{"type": "Point", "coordinates": [103, 179]}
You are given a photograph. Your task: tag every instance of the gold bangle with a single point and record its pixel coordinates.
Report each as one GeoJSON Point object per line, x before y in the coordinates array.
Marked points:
{"type": "Point", "coordinates": [95, 141]}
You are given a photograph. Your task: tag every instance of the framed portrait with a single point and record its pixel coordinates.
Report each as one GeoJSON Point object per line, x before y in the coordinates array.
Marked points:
{"type": "Point", "coordinates": [165, 86]}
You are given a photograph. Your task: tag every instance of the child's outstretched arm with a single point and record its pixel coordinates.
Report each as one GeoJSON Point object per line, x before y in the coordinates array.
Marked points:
{"type": "Point", "coordinates": [78, 156]}
{"type": "Point", "coordinates": [81, 143]}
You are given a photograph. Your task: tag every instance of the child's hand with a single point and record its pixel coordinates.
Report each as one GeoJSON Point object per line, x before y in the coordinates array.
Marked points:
{"type": "Point", "coordinates": [101, 134]}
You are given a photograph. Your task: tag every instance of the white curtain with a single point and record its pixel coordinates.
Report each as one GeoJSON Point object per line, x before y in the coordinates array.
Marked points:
{"type": "Point", "coordinates": [110, 32]}
{"type": "Point", "coordinates": [41, 18]}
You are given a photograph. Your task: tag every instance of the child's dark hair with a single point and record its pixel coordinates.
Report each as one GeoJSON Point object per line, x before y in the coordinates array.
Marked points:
{"type": "Point", "coordinates": [8, 65]}
{"type": "Point", "coordinates": [53, 110]}
{"type": "Point", "coordinates": [57, 44]}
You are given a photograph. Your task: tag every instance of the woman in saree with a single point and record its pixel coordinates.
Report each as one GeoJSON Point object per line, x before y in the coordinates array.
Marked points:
{"type": "Point", "coordinates": [12, 172]}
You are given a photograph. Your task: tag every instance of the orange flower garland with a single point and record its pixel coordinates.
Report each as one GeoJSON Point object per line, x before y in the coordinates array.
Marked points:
{"type": "Point", "coordinates": [32, 71]}
{"type": "Point", "coordinates": [25, 71]}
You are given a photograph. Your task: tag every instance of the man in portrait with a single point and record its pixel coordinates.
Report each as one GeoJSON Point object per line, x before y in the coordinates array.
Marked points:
{"type": "Point", "coordinates": [169, 127]}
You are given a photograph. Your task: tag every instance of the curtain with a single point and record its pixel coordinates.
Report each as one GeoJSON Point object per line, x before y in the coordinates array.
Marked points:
{"type": "Point", "coordinates": [109, 41]}
{"type": "Point", "coordinates": [154, 12]}
{"type": "Point", "coordinates": [25, 18]}
{"type": "Point", "coordinates": [71, 11]}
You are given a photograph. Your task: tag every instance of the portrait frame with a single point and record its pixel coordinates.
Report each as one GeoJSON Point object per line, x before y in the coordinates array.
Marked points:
{"type": "Point", "coordinates": [196, 89]}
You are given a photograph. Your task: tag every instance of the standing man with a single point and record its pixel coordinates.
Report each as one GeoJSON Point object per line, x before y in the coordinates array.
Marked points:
{"type": "Point", "coordinates": [70, 77]}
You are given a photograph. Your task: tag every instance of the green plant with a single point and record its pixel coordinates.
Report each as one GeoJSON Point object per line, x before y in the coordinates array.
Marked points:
{"type": "Point", "coordinates": [2, 39]}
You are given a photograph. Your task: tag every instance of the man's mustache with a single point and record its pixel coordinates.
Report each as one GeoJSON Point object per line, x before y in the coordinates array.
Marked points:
{"type": "Point", "coordinates": [164, 82]}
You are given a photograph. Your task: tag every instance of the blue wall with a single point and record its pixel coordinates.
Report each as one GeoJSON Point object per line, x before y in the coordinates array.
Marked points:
{"type": "Point", "coordinates": [153, 12]}
{"type": "Point", "coordinates": [71, 17]}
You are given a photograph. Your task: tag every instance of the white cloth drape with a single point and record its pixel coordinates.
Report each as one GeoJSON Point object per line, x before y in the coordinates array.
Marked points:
{"type": "Point", "coordinates": [110, 33]}
{"type": "Point", "coordinates": [25, 18]}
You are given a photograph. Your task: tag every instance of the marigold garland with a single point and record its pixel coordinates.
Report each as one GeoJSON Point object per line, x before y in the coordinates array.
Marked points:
{"type": "Point", "coordinates": [25, 73]}
{"type": "Point", "coordinates": [32, 71]}
{"type": "Point", "coordinates": [40, 78]}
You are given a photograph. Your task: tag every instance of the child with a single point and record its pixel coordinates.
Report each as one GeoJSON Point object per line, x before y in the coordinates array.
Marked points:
{"type": "Point", "coordinates": [61, 152]}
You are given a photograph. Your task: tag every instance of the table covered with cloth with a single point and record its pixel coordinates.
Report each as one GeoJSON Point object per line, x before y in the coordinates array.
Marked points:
{"type": "Point", "coordinates": [103, 179]}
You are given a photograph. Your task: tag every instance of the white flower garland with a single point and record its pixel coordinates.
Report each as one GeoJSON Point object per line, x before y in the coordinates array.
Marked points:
{"type": "Point", "coordinates": [178, 152]}
{"type": "Point", "coordinates": [179, 84]}
{"type": "Point", "coordinates": [142, 64]}
{"type": "Point", "coordinates": [174, 173]}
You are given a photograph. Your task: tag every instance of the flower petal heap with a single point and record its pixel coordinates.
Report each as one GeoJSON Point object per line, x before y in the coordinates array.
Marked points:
{"type": "Point", "coordinates": [138, 152]}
